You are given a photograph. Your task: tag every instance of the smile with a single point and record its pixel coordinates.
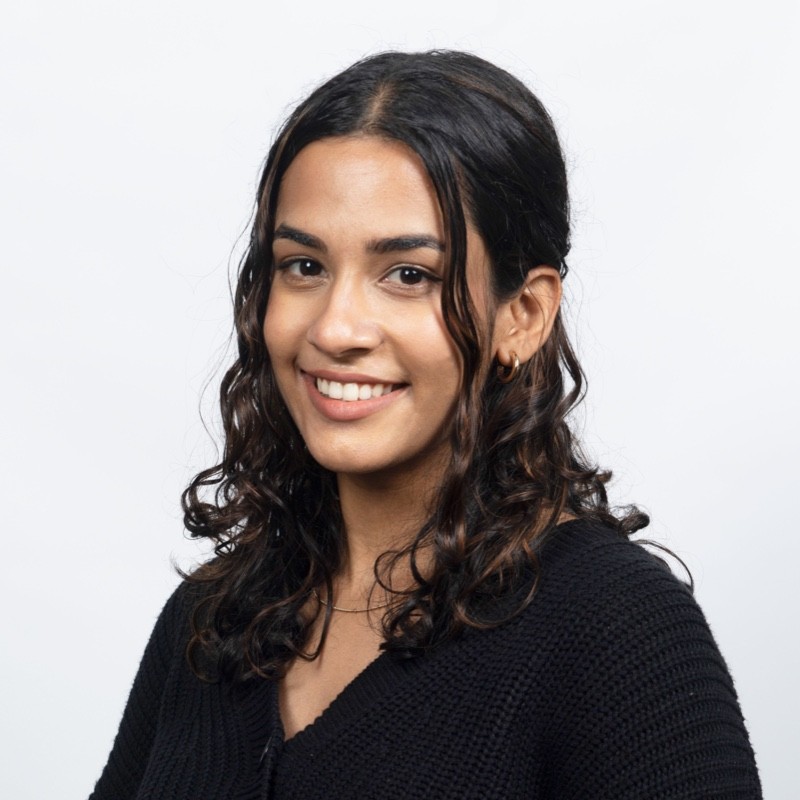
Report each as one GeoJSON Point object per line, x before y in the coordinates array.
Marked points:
{"type": "Point", "coordinates": [351, 392]}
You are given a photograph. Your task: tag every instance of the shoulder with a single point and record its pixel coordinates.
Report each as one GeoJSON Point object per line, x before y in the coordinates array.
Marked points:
{"type": "Point", "coordinates": [180, 604]}
{"type": "Point", "coordinates": [604, 593]}
{"type": "Point", "coordinates": [646, 704]}
{"type": "Point", "coordinates": [579, 541]}
{"type": "Point", "coordinates": [584, 562]}
{"type": "Point", "coordinates": [172, 628]}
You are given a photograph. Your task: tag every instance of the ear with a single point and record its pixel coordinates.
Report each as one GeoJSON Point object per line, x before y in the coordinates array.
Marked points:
{"type": "Point", "coordinates": [523, 323]}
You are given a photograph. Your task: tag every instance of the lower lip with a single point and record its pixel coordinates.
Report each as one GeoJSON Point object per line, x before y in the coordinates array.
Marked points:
{"type": "Point", "coordinates": [344, 410]}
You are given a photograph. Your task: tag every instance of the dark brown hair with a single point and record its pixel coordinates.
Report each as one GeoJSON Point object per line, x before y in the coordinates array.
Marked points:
{"type": "Point", "coordinates": [493, 156]}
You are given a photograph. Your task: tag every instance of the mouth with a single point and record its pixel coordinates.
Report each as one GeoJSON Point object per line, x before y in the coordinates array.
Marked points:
{"type": "Point", "coordinates": [350, 400]}
{"type": "Point", "coordinates": [352, 392]}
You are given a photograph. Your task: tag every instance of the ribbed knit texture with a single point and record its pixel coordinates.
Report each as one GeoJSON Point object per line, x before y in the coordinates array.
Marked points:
{"type": "Point", "coordinates": [608, 686]}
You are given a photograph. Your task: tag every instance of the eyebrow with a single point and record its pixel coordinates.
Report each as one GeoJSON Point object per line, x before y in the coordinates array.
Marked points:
{"type": "Point", "coordinates": [295, 235]}
{"type": "Point", "coordinates": [395, 244]}
{"type": "Point", "coordinates": [391, 244]}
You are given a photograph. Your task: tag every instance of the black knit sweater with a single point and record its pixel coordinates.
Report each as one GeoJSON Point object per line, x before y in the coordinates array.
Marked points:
{"type": "Point", "coordinates": [609, 685]}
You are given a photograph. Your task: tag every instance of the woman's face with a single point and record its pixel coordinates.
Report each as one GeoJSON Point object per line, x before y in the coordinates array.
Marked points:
{"type": "Point", "coordinates": [354, 323]}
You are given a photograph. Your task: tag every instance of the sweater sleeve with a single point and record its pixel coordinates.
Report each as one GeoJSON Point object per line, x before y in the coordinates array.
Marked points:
{"type": "Point", "coordinates": [129, 755]}
{"type": "Point", "coordinates": [650, 709]}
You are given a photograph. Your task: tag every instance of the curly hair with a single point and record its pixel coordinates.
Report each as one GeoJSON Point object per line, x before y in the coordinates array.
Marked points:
{"type": "Point", "coordinates": [493, 156]}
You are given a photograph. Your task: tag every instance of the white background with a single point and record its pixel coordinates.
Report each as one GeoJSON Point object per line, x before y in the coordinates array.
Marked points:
{"type": "Point", "coordinates": [132, 136]}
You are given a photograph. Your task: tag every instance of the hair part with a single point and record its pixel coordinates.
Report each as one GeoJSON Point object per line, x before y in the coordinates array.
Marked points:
{"type": "Point", "coordinates": [494, 159]}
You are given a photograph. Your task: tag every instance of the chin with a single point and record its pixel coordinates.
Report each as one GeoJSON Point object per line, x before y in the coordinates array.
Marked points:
{"type": "Point", "coordinates": [343, 465]}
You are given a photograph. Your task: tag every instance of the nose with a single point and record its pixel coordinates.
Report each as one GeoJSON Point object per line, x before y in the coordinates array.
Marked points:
{"type": "Point", "coordinates": [345, 322]}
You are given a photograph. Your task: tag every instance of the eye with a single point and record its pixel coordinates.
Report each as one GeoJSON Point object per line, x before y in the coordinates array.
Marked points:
{"type": "Point", "coordinates": [409, 276]}
{"type": "Point", "coordinates": [301, 267]}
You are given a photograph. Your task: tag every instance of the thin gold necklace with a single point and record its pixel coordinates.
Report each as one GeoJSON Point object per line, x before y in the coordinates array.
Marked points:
{"type": "Point", "coordinates": [350, 610]}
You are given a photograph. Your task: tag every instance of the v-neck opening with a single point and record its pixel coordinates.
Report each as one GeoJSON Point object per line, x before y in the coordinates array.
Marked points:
{"type": "Point", "coordinates": [375, 684]}
{"type": "Point", "coordinates": [356, 697]}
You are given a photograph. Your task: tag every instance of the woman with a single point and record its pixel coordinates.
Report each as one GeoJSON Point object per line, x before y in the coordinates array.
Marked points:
{"type": "Point", "coordinates": [419, 588]}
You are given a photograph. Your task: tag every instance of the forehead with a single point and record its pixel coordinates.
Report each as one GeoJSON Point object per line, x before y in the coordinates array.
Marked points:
{"type": "Point", "coordinates": [359, 184]}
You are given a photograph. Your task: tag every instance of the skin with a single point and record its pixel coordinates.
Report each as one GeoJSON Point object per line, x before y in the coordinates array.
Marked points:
{"type": "Point", "coordinates": [356, 297]}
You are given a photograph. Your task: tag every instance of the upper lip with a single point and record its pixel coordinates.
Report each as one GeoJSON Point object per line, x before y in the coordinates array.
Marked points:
{"type": "Point", "coordinates": [347, 377]}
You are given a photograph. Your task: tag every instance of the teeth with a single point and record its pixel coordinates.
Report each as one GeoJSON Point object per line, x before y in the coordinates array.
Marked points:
{"type": "Point", "coordinates": [351, 392]}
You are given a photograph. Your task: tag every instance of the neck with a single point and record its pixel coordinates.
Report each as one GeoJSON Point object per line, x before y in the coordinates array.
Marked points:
{"type": "Point", "coordinates": [381, 513]}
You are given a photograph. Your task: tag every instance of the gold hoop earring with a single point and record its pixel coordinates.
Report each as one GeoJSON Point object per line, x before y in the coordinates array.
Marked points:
{"type": "Point", "coordinates": [507, 374]}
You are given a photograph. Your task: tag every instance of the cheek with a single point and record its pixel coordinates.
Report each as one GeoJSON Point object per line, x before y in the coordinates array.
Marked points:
{"type": "Point", "coordinates": [446, 348]}
{"type": "Point", "coordinates": [268, 330]}
{"type": "Point", "coordinates": [279, 339]}
{"type": "Point", "coordinates": [277, 330]}
{"type": "Point", "coordinates": [436, 352]}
